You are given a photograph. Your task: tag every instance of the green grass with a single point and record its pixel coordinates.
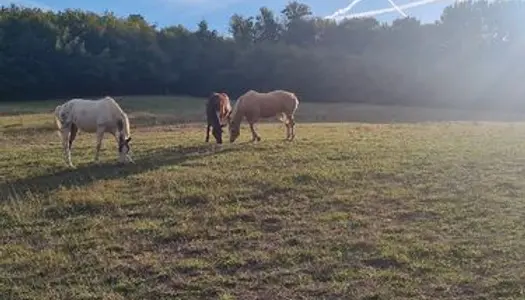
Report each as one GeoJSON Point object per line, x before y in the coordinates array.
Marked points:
{"type": "Point", "coordinates": [348, 210]}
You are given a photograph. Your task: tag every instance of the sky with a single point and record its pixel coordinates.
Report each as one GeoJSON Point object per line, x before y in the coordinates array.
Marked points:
{"type": "Point", "coordinates": [218, 12]}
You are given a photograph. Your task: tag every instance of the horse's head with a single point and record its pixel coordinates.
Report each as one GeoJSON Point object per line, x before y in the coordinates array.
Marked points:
{"type": "Point", "coordinates": [124, 148]}
{"type": "Point", "coordinates": [235, 130]}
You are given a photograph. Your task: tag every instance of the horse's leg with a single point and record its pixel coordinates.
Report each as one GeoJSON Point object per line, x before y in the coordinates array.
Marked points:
{"type": "Point", "coordinates": [217, 133]}
{"type": "Point", "coordinates": [100, 136]}
{"type": "Point", "coordinates": [208, 133]}
{"type": "Point", "coordinates": [288, 131]}
{"type": "Point", "coordinates": [255, 136]}
{"type": "Point", "coordinates": [284, 119]}
{"type": "Point", "coordinates": [72, 135]}
{"type": "Point", "coordinates": [64, 133]}
{"type": "Point", "coordinates": [291, 124]}
{"type": "Point", "coordinates": [287, 125]}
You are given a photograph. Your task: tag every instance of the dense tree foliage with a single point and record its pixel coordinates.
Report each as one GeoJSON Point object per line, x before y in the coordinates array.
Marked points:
{"type": "Point", "coordinates": [473, 56]}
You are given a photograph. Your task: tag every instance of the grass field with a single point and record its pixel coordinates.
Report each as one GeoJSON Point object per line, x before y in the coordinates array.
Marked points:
{"type": "Point", "coordinates": [352, 209]}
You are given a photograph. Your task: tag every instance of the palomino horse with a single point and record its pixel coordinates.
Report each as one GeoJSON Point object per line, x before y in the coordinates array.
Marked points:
{"type": "Point", "coordinates": [218, 109]}
{"type": "Point", "coordinates": [100, 116]}
{"type": "Point", "coordinates": [254, 106]}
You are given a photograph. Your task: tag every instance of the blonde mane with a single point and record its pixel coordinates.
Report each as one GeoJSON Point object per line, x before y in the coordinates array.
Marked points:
{"type": "Point", "coordinates": [225, 105]}
{"type": "Point", "coordinates": [235, 116]}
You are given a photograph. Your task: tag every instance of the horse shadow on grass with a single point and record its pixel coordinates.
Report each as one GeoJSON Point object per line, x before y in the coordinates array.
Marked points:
{"type": "Point", "coordinates": [89, 173]}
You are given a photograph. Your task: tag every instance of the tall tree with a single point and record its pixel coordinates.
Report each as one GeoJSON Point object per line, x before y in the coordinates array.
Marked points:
{"type": "Point", "coordinates": [470, 57]}
{"type": "Point", "coordinates": [267, 27]}
{"type": "Point", "coordinates": [242, 29]}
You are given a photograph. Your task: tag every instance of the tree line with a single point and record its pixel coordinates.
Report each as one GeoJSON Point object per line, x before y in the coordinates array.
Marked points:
{"type": "Point", "coordinates": [471, 57]}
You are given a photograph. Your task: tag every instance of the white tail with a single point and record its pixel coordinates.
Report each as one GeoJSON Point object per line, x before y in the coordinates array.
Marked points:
{"type": "Point", "coordinates": [57, 118]}
{"type": "Point", "coordinates": [284, 119]}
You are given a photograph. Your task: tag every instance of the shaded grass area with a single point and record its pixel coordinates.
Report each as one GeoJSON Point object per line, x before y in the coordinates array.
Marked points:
{"type": "Point", "coordinates": [346, 211]}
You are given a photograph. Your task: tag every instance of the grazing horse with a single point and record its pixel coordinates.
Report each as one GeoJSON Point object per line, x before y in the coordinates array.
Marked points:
{"type": "Point", "coordinates": [100, 116]}
{"type": "Point", "coordinates": [218, 109]}
{"type": "Point", "coordinates": [254, 106]}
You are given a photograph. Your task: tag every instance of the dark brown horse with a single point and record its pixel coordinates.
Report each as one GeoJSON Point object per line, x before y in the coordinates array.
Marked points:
{"type": "Point", "coordinates": [218, 109]}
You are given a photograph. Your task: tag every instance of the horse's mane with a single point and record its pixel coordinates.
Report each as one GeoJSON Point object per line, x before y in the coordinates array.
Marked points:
{"type": "Point", "coordinates": [122, 114]}
{"type": "Point", "coordinates": [235, 116]}
{"type": "Point", "coordinates": [225, 104]}
{"type": "Point", "coordinates": [125, 119]}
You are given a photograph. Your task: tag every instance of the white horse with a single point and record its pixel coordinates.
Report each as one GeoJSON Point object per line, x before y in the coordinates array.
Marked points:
{"type": "Point", "coordinates": [100, 116]}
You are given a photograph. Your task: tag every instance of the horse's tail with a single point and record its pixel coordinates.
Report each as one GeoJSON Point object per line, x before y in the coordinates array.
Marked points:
{"type": "Point", "coordinates": [58, 120]}
{"type": "Point", "coordinates": [283, 118]}
{"type": "Point", "coordinates": [57, 116]}
{"type": "Point", "coordinates": [235, 110]}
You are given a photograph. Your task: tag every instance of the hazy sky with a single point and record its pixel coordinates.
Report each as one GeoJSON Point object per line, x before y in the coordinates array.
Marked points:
{"type": "Point", "coordinates": [218, 12]}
